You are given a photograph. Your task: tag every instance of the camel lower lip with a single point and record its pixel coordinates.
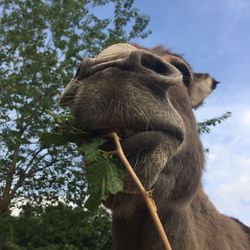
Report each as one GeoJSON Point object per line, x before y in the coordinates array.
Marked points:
{"type": "Point", "coordinates": [140, 135]}
{"type": "Point", "coordinates": [134, 140]}
{"type": "Point", "coordinates": [148, 137]}
{"type": "Point", "coordinates": [129, 133]}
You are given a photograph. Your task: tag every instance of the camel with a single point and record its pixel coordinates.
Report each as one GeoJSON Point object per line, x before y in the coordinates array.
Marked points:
{"type": "Point", "coordinates": [148, 95]}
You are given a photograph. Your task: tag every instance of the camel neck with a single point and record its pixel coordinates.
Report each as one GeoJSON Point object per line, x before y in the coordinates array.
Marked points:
{"type": "Point", "coordinates": [137, 231]}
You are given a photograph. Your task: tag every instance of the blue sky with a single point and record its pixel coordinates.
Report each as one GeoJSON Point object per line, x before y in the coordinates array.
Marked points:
{"type": "Point", "coordinates": [214, 36]}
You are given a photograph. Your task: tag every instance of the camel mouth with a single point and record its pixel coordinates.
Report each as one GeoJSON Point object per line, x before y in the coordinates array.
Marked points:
{"type": "Point", "coordinates": [128, 135]}
{"type": "Point", "coordinates": [125, 133]}
{"type": "Point", "coordinates": [140, 148]}
{"type": "Point", "coordinates": [132, 134]}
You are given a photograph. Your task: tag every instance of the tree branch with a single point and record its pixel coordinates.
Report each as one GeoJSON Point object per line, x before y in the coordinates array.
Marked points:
{"type": "Point", "coordinates": [11, 172]}
{"type": "Point", "coordinates": [27, 173]}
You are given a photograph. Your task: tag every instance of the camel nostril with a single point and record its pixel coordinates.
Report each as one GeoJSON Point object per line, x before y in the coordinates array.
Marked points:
{"type": "Point", "coordinates": [155, 64]}
{"type": "Point", "coordinates": [185, 71]}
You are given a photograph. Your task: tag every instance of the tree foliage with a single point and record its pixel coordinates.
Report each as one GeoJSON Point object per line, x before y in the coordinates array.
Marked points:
{"type": "Point", "coordinates": [56, 228]}
{"type": "Point", "coordinates": [41, 41]}
{"type": "Point", "coordinates": [204, 127]}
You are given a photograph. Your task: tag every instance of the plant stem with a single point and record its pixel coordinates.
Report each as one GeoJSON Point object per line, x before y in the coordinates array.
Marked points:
{"type": "Point", "coordinates": [146, 194]}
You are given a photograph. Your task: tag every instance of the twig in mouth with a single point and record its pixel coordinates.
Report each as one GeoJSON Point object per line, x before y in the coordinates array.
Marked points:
{"type": "Point", "coordinates": [147, 195]}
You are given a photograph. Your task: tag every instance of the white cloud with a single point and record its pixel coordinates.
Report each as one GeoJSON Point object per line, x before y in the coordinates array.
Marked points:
{"type": "Point", "coordinates": [227, 176]}
{"type": "Point", "coordinates": [246, 120]}
{"type": "Point", "coordinates": [227, 181]}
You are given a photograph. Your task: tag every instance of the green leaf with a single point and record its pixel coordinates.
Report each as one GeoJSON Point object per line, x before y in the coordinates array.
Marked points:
{"type": "Point", "coordinates": [114, 176]}
{"type": "Point", "coordinates": [61, 138]}
{"type": "Point", "coordinates": [91, 150]}
{"type": "Point", "coordinates": [53, 139]}
{"type": "Point", "coordinates": [104, 178]}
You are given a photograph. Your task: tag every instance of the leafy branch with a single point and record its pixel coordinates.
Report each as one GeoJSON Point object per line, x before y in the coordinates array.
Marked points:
{"type": "Point", "coordinates": [204, 127]}
{"type": "Point", "coordinates": [103, 170]}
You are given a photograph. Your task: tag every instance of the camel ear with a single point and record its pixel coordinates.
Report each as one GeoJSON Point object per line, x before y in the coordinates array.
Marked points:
{"type": "Point", "coordinates": [201, 87]}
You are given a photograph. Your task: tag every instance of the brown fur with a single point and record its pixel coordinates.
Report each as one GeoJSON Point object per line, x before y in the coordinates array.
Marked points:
{"type": "Point", "coordinates": [152, 93]}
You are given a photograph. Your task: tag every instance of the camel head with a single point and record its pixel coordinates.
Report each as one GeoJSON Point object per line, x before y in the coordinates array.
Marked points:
{"type": "Point", "coordinates": [148, 96]}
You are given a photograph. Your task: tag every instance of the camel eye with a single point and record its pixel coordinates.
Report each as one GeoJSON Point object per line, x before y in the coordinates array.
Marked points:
{"type": "Point", "coordinates": [155, 64]}
{"type": "Point", "coordinates": [185, 71]}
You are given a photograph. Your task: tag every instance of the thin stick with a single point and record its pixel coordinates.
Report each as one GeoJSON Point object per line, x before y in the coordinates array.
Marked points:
{"type": "Point", "coordinates": [147, 195]}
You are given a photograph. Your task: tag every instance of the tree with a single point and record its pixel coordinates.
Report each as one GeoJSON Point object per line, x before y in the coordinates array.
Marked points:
{"type": "Point", "coordinates": [41, 41]}
{"type": "Point", "coordinates": [56, 227]}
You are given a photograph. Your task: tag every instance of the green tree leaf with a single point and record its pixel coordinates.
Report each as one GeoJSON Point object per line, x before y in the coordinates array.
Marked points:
{"type": "Point", "coordinates": [104, 178]}
{"type": "Point", "coordinates": [91, 150]}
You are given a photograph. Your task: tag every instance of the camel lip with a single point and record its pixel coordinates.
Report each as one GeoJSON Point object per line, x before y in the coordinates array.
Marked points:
{"type": "Point", "coordinates": [126, 133]}
{"type": "Point", "coordinates": [123, 133]}
{"type": "Point", "coordinates": [176, 133]}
